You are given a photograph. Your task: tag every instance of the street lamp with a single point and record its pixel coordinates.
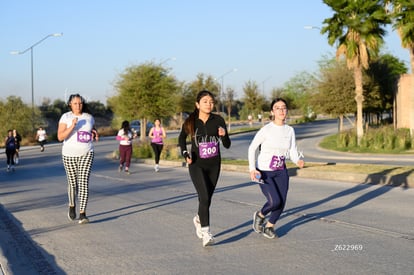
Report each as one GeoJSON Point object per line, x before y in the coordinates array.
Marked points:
{"type": "Point", "coordinates": [222, 86]}
{"type": "Point", "coordinates": [263, 85]}
{"type": "Point", "coordinates": [312, 27]}
{"type": "Point", "coordinates": [31, 61]}
{"type": "Point", "coordinates": [168, 59]}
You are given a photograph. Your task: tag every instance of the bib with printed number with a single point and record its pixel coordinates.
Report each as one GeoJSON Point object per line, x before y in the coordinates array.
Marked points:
{"type": "Point", "coordinates": [277, 163]}
{"type": "Point", "coordinates": [84, 136]}
{"type": "Point", "coordinates": [208, 149]}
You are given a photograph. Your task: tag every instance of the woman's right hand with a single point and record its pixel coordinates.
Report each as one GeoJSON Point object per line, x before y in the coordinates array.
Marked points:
{"type": "Point", "coordinates": [187, 157]}
{"type": "Point", "coordinates": [74, 121]}
{"type": "Point", "coordinates": [254, 174]}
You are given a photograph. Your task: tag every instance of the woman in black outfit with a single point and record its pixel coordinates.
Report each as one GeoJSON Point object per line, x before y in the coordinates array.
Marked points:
{"type": "Point", "coordinates": [206, 130]}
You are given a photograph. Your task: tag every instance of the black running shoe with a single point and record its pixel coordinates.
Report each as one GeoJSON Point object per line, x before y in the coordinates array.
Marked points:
{"type": "Point", "coordinates": [82, 218]}
{"type": "Point", "coordinates": [72, 213]}
{"type": "Point", "coordinates": [257, 222]}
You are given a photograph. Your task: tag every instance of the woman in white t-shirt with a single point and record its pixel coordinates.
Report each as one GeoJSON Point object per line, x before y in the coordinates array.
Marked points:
{"type": "Point", "coordinates": [125, 137]}
{"type": "Point", "coordinates": [76, 130]}
{"type": "Point", "coordinates": [41, 137]}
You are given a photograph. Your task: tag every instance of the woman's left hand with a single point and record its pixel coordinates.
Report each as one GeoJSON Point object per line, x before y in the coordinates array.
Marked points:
{"type": "Point", "coordinates": [221, 131]}
{"type": "Point", "coordinates": [95, 134]}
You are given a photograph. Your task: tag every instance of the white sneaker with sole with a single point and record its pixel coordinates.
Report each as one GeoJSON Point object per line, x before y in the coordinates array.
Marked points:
{"type": "Point", "coordinates": [196, 221]}
{"type": "Point", "coordinates": [208, 238]}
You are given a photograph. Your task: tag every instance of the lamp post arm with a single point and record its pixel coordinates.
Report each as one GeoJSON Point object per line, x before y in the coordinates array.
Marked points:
{"type": "Point", "coordinates": [38, 42]}
{"type": "Point", "coordinates": [222, 87]}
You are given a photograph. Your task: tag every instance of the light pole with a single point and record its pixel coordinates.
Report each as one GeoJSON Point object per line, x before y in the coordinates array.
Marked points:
{"type": "Point", "coordinates": [168, 59]}
{"type": "Point", "coordinates": [312, 27]}
{"type": "Point", "coordinates": [31, 62]}
{"type": "Point", "coordinates": [263, 85]}
{"type": "Point", "coordinates": [222, 87]}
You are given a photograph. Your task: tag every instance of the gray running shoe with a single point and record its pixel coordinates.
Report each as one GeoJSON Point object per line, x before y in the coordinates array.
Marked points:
{"type": "Point", "coordinates": [257, 222]}
{"type": "Point", "coordinates": [269, 232]}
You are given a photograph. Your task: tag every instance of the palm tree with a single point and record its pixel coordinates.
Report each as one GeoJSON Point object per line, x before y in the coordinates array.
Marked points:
{"type": "Point", "coordinates": [357, 27]}
{"type": "Point", "coordinates": [403, 21]}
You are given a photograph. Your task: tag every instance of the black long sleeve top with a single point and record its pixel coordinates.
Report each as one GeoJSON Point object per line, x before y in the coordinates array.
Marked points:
{"type": "Point", "coordinates": [205, 133]}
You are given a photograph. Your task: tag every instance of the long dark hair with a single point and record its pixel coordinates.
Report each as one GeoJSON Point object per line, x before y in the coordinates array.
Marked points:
{"type": "Point", "coordinates": [125, 126]}
{"type": "Point", "coordinates": [189, 123]}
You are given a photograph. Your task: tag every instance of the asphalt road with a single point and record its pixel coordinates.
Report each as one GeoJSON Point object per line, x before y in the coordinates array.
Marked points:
{"type": "Point", "coordinates": [142, 224]}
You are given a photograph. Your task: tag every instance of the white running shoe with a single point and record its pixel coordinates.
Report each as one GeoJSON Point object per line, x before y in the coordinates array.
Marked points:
{"type": "Point", "coordinates": [207, 238]}
{"type": "Point", "coordinates": [157, 168]}
{"type": "Point", "coordinates": [196, 221]}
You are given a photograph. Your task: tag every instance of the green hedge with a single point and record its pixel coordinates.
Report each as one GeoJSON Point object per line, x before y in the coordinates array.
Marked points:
{"type": "Point", "coordinates": [378, 140]}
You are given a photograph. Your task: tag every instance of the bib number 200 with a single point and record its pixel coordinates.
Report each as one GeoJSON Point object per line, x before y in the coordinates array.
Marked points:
{"type": "Point", "coordinates": [208, 149]}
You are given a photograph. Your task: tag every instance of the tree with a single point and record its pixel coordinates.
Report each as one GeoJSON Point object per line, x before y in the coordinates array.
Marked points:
{"type": "Point", "coordinates": [335, 90]}
{"type": "Point", "coordinates": [358, 28]}
{"type": "Point", "coordinates": [403, 21]}
{"type": "Point", "coordinates": [276, 93]}
{"type": "Point", "coordinates": [253, 100]}
{"type": "Point", "coordinates": [146, 92]}
{"type": "Point", "coordinates": [381, 83]}
{"type": "Point", "coordinates": [190, 91]}
{"type": "Point", "coordinates": [299, 90]}
{"type": "Point", "coordinates": [14, 114]}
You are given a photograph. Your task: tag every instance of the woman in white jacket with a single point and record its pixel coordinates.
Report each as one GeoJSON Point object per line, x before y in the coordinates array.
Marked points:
{"type": "Point", "coordinates": [277, 143]}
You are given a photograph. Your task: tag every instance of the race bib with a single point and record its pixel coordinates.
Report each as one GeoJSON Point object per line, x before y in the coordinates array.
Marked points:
{"type": "Point", "coordinates": [84, 136]}
{"type": "Point", "coordinates": [277, 163]}
{"type": "Point", "coordinates": [208, 149]}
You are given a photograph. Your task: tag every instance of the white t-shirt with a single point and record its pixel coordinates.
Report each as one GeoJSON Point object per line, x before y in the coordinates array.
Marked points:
{"type": "Point", "coordinates": [79, 141]}
{"type": "Point", "coordinates": [274, 140]}
{"type": "Point", "coordinates": [129, 135]}
{"type": "Point", "coordinates": [41, 135]}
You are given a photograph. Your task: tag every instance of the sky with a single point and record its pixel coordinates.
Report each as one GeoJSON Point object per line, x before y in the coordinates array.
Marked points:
{"type": "Point", "coordinates": [235, 41]}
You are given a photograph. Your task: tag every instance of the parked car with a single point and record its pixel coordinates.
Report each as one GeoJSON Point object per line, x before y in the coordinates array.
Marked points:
{"type": "Point", "coordinates": [136, 126]}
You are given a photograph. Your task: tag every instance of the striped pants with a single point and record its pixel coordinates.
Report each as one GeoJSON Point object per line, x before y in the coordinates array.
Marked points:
{"type": "Point", "coordinates": [78, 170]}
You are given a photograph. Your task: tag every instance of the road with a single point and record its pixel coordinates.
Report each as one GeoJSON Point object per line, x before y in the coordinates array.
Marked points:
{"type": "Point", "coordinates": [142, 224]}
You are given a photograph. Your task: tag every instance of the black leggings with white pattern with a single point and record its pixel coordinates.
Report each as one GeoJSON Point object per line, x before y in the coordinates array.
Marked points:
{"type": "Point", "coordinates": [78, 170]}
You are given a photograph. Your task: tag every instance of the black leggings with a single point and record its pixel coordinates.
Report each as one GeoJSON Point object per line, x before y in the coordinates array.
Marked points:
{"type": "Point", "coordinates": [157, 151]}
{"type": "Point", "coordinates": [10, 154]}
{"type": "Point", "coordinates": [205, 181]}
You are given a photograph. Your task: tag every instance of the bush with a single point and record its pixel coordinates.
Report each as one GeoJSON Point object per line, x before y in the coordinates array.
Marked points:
{"type": "Point", "coordinates": [376, 140]}
{"type": "Point", "coordinates": [142, 150]}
